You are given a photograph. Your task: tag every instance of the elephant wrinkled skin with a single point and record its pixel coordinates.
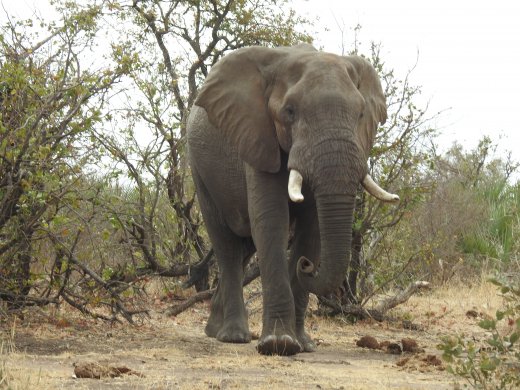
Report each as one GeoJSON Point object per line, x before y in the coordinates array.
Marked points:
{"type": "Point", "coordinates": [262, 113]}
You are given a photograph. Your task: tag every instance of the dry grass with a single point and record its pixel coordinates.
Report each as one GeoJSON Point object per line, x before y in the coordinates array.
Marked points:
{"type": "Point", "coordinates": [11, 376]}
{"type": "Point", "coordinates": [456, 298]}
{"type": "Point", "coordinates": [175, 353]}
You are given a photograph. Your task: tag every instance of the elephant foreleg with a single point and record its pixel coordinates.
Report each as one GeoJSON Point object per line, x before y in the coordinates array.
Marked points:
{"type": "Point", "coordinates": [269, 216]}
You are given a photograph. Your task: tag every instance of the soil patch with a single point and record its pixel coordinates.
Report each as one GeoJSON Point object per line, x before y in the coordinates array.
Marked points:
{"type": "Point", "coordinates": [174, 353]}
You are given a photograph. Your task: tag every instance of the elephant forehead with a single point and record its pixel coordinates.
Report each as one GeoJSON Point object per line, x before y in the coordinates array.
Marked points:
{"type": "Point", "coordinates": [316, 67]}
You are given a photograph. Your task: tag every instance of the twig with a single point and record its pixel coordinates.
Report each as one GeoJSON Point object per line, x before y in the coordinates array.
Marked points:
{"type": "Point", "coordinates": [83, 309]}
{"type": "Point", "coordinates": [251, 274]}
{"type": "Point", "coordinates": [392, 302]}
{"type": "Point", "coordinates": [199, 297]}
{"type": "Point", "coordinates": [355, 310]}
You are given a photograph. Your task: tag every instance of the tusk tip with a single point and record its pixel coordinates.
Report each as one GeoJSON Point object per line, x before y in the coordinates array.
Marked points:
{"type": "Point", "coordinates": [296, 198]}
{"type": "Point", "coordinates": [377, 192]}
{"type": "Point", "coordinates": [394, 198]}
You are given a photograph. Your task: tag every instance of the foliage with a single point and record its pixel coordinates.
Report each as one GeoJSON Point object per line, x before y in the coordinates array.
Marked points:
{"type": "Point", "coordinates": [499, 197]}
{"type": "Point", "coordinates": [467, 219]}
{"type": "Point", "coordinates": [497, 365]}
{"type": "Point", "coordinates": [485, 231]}
{"type": "Point", "coordinates": [48, 105]}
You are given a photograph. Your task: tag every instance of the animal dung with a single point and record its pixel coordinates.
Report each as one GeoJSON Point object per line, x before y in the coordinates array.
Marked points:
{"type": "Point", "coordinates": [432, 360]}
{"type": "Point", "coordinates": [410, 345]}
{"type": "Point", "coordinates": [98, 371]}
{"type": "Point", "coordinates": [394, 349]}
{"type": "Point", "coordinates": [368, 342]}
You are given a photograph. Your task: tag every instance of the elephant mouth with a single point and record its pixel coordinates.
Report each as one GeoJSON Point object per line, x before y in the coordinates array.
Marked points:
{"type": "Point", "coordinates": [296, 181]}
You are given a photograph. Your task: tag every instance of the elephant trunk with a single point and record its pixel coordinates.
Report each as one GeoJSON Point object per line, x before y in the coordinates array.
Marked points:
{"type": "Point", "coordinates": [335, 216]}
{"type": "Point", "coordinates": [336, 167]}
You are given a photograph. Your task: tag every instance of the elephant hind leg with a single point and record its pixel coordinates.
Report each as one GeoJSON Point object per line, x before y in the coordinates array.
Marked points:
{"type": "Point", "coordinates": [228, 317]}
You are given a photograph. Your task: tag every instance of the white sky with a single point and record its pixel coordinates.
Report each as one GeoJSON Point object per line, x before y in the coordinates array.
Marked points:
{"type": "Point", "coordinates": [468, 55]}
{"type": "Point", "coordinates": [468, 61]}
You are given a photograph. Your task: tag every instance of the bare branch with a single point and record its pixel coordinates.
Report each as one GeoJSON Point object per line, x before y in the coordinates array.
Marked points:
{"type": "Point", "coordinates": [402, 297]}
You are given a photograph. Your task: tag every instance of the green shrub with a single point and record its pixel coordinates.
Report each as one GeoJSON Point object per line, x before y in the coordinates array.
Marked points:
{"type": "Point", "coordinates": [497, 364]}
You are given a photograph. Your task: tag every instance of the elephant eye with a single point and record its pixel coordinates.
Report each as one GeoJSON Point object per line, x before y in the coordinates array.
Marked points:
{"type": "Point", "coordinates": [288, 114]}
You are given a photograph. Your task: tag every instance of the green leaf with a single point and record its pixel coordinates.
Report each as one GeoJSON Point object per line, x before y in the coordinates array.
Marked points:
{"type": "Point", "coordinates": [488, 365]}
{"type": "Point", "coordinates": [495, 343]}
{"type": "Point", "coordinates": [487, 324]}
{"type": "Point", "coordinates": [105, 235]}
{"type": "Point", "coordinates": [107, 273]}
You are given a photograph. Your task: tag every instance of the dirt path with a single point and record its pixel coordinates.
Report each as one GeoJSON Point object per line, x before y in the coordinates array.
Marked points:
{"type": "Point", "coordinates": [175, 354]}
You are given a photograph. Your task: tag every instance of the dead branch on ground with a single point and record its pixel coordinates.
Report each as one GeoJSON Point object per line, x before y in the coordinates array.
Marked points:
{"type": "Point", "coordinates": [251, 274]}
{"type": "Point", "coordinates": [378, 312]}
{"type": "Point", "coordinates": [391, 302]}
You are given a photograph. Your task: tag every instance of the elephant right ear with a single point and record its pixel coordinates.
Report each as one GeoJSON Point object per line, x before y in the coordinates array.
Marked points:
{"type": "Point", "coordinates": [235, 98]}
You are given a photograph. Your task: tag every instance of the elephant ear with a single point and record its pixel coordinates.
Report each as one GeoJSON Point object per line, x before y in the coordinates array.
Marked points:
{"type": "Point", "coordinates": [365, 76]}
{"type": "Point", "coordinates": [235, 98]}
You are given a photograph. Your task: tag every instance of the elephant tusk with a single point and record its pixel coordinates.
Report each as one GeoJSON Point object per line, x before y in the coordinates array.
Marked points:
{"type": "Point", "coordinates": [377, 192]}
{"type": "Point", "coordinates": [295, 186]}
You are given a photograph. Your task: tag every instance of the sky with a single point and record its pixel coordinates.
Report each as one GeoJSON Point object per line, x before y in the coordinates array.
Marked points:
{"type": "Point", "coordinates": [467, 55]}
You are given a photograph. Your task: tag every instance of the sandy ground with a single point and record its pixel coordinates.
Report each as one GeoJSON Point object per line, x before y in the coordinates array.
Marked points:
{"type": "Point", "coordinates": [42, 350]}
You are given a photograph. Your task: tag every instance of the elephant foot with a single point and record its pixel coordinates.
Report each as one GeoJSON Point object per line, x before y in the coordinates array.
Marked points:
{"type": "Point", "coordinates": [279, 345]}
{"type": "Point", "coordinates": [306, 341]}
{"type": "Point", "coordinates": [215, 323]}
{"type": "Point", "coordinates": [234, 333]}
{"type": "Point", "coordinates": [212, 329]}
{"type": "Point", "coordinates": [228, 333]}
{"type": "Point", "coordinates": [233, 329]}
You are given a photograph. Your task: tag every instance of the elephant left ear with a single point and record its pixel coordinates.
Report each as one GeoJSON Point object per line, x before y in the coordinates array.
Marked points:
{"type": "Point", "coordinates": [365, 77]}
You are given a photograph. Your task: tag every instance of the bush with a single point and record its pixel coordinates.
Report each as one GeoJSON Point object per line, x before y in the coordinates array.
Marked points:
{"type": "Point", "coordinates": [496, 365]}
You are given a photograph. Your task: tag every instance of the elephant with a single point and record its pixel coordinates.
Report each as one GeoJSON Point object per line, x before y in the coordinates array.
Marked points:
{"type": "Point", "coordinates": [278, 139]}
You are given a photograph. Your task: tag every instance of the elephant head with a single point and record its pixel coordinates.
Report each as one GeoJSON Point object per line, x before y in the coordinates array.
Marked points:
{"type": "Point", "coordinates": [319, 109]}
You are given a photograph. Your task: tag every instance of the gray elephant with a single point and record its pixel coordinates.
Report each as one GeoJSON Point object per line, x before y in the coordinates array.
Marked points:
{"type": "Point", "coordinates": [279, 139]}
